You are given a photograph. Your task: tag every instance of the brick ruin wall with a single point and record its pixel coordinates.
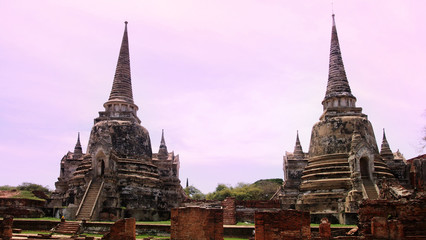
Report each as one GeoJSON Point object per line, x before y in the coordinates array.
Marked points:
{"type": "Point", "coordinates": [21, 208]}
{"type": "Point", "coordinates": [243, 211]}
{"type": "Point", "coordinates": [195, 223]}
{"type": "Point", "coordinates": [6, 228]}
{"type": "Point", "coordinates": [123, 229]}
{"type": "Point", "coordinates": [417, 168]}
{"type": "Point", "coordinates": [393, 219]}
{"type": "Point", "coordinates": [283, 224]}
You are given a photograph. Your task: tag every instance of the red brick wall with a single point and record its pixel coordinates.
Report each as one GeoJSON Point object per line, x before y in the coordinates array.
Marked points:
{"type": "Point", "coordinates": [283, 224]}
{"type": "Point", "coordinates": [194, 223]}
{"type": "Point", "coordinates": [123, 229]}
{"type": "Point", "coordinates": [229, 211]}
{"type": "Point", "coordinates": [25, 208]}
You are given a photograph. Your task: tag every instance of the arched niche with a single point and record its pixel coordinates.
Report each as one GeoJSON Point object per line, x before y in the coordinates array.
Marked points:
{"type": "Point", "coordinates": [364, 164]}
{"type": "Point", "coordinates": [100, 164]}
{"type": "Point", "coordinates": [364, 167]}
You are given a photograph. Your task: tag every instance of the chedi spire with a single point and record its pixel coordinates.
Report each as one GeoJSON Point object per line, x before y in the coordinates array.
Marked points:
{"type": "Point", "coordinates": [78, 151]}
{"type": "Point", "coordinates": [120, 103]}
{"type": "Point", "coordinates": [122, 85]}
{"type": "Point", "coordinates": [338, 92]}
{"type": "Point", "coordinates": [298, 152]}
{"type": "Point", "coordinates": [385, 150]}
{"type": "Point", "coordinates": [163, 147]}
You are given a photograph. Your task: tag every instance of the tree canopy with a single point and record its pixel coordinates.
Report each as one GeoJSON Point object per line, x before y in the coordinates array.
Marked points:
{"type": "Point", "coordinates": [260, 190]}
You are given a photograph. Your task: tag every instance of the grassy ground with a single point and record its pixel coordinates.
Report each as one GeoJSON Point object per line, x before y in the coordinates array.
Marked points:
{"type": "Point", "coordinates": [40, 219]}
{"type": "Point", "coordinates": [27, 195]}
{"type": "Point", "coordinates": [168, 222]}
{"type": "Point", "coordinates": [137, 236]}
{"type": "Point", "coordinates": [333, 225]}
{"type": "Point", "coordinates": [156, 222]}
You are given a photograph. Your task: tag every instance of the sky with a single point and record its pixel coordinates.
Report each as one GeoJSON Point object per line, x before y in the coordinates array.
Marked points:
{"type": "Point", "coordinates": [230, 82]}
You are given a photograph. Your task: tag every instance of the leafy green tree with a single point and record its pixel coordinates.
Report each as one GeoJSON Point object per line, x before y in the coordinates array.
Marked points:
{"type": "Point", "coordinates": [260, 190]}
{"type": "Point", "coordinates": [26, 186]}
{"type": "Point", "coordinates": [194, 193]}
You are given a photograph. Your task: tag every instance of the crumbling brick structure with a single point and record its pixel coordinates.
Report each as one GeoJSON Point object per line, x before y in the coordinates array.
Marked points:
{"type": "Point", "coordinates": [283, 224]}
{"type": "Point", "coordinates": [236, 210]}
{"type": "Point", "coordinates": [393, 219]}
{"type": "Point", "coordinates": [26, 208]}
{"type": "Point", "coordinates": [123, 229]}
{"type": "Point", "coordinates": [417, 167]}
{"type": "Point", "coordinates": [324, 229]}
{"type": "Point", "coordinates": [194, 223]}
{"type": "Point", "coordinates": [229, 211]}
{"type": "Point", "coordinates": [6, 228]}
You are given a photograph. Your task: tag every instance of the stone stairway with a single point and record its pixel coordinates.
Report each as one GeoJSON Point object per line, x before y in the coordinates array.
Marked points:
{"type": "Point", "coordinates": [67, 228]}
{"type": "Point", "coordinates": [89, 201]}
{"type": "Point", "coordinates": [369, 188]}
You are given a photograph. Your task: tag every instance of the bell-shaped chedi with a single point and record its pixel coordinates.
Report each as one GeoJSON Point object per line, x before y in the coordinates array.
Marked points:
{"type": "Point", "coordinates": [118, 177]}
{"type": "Point", "coordinates": [343, 163]}
{"type": "Point", "coordinates": [117, 130]}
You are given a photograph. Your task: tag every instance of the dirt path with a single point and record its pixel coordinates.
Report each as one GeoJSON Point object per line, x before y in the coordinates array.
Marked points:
{"type": "Point", "coordinates": [8, 194]}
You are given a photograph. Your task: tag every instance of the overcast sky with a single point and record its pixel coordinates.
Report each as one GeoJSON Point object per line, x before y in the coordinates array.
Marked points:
{"type": "Point", "coordinates": [230, 81]}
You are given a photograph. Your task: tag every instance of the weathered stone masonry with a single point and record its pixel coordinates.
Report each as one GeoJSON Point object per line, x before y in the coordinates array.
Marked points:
{"type": "Point", "coordinates": [343, 164]}
{"type": "Point", "coordinates": [119, 176]}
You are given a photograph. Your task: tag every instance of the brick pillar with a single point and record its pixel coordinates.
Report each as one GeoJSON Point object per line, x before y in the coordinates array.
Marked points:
{"type": "Point", "coordinates": [324, 229]}
{"type": "Point", "coordinates": [396, 229]}
{"type": "Point", "coordinates": [379, 227]}
{"type": "Point", "coordinates": [195, 223]}
{"type": "Point", "coordinates": [229, 211]}
{"type": "Point", "coordinates": [6, 228]}
{"type": "Point", "coordinates": [123, 229]}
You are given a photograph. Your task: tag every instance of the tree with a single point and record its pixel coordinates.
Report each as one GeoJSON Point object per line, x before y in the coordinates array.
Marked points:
{"type": "Point", "coordinates": [260, 190]}
{"type": "Point", "coordinates": [26, 186]}
{"type": "Point", "coordinates": [194, 193]}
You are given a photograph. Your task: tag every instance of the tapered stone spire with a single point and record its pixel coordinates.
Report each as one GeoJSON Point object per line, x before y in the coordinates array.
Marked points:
{"type": "Point", "coordinates": [122, 85]}
{"type": "Point", "coordinates": [78, 151]}
{"type": "Point", "coordinates": [298, 152]}
{"type": "Point", "coordinates": [338, 92]}
{"type": "Point", "coordinates": [385, 150]}
{"type": "Point", "coordinates": [120, 104]}
{"type": "Point", "coordinates": [163, 147]}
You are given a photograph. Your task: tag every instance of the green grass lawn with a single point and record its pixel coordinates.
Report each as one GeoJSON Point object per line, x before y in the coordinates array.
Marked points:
{"type": "Point", "coordinates": [154, 222]}
{"type": "Point", "coordinates": [334, 225]}
{"type": "Point", "coordinates": [137, 236]}
{"type": "Point", "coordinates": [27, 195]}
{"type": "Point", "coordinates": [40, 219]}
{"type": "Point", "coordinates": [244, 224]}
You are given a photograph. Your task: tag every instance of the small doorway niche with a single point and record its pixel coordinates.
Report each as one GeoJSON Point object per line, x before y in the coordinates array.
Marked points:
{"type": "Point", "coordinates": [102, 168]}
{"type": "Point", "coordinates": [364, 168]}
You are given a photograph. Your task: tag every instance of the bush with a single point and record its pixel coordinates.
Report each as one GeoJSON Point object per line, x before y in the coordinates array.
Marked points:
{"type": "Point", "coordinates": [260, 190]}
{"type": "Point", "coordinates": [26, 186]}
{"type": "Point", "coordinates": [194, 193]}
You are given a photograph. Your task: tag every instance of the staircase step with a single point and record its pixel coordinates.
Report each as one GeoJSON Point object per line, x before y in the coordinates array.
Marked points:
{"type": "Point", "coordinates": [89, 201]}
